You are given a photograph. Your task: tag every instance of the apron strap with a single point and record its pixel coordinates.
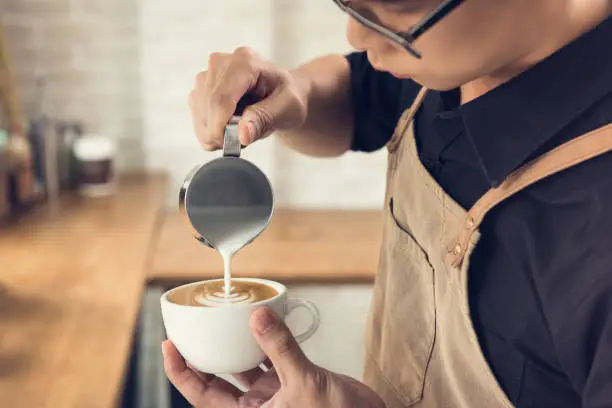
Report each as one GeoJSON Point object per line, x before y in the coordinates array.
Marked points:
{"type": "Point", "coordinates": [406, 119]}
{"type": "Point", "coordinates": [574, 152]}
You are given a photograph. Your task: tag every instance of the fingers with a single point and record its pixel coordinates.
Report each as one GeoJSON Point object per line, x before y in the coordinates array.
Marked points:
{"type": "Point", "coordinates": [240, 74]}
{"type": "Point", "coordinates": [266, 95]}
{"type": "Point", "coordinates": [206, 378]}
{"type": "Point", "coordinates": [199, 99]}
{"type": "Point", "coordinates": [217, 92]}
{"type": "Point", "coordinates": [280, 346]}
{"type": "Point", "coordinates": [199, 123]}
{"type": "Point", "coordinates": [248, 378]}
{"type": "Point", "coordinates": [199, 389]}
{"type": "Point", "coordinates": [262, 392]}
{"type": "Point", "coordinates": [263, 118]}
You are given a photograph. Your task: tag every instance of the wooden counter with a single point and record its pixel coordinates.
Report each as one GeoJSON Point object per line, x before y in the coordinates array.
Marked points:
{"type": "Point", "coordinates": [70, 290]}
{"type": "Point", "coordinates": [297, 246]}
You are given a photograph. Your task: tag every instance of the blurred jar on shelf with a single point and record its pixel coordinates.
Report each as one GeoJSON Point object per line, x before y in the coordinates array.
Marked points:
{"type": "Point", "coordinates": [95, 162]}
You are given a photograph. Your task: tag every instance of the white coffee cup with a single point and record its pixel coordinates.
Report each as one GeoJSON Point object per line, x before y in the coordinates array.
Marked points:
{"type": "Point", "coordinates": [218, 340]}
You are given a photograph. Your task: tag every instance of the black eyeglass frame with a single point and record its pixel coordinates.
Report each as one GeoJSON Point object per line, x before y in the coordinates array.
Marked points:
{"type": "Point", "coordinates": [405, 39]}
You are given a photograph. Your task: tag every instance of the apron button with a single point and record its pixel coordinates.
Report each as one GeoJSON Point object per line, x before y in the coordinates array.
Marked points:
{"type": "Point", "coordinates": [457, 249]}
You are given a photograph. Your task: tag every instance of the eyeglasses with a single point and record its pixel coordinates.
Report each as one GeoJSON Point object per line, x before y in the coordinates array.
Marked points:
{"type": "Point", "coordinates": [405, 39]}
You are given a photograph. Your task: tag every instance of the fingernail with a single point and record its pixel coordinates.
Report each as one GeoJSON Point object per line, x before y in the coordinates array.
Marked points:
{"type": "Point", "coordinates": [265, 320]}
{"type": "Point", "coordinates": [251, 129]}
{"type": "Point", "coordinates": [163, 349]}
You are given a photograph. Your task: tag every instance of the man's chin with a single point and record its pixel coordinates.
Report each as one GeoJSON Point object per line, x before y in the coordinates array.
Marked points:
{"type": "Point", "coordinates": [434, 84]}
{"type": "Point", "coordinates": [378, 67]}
{"type": "Point", "coordinates": [376, 64]}
{"type": "Point", "coordinates": [402, 75]}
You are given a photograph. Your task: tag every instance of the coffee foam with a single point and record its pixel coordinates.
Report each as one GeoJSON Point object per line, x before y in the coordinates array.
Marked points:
{"type": "Point", "coordinates": [212, 293]}
{"type": "Point", "coordinates": [220, 298]}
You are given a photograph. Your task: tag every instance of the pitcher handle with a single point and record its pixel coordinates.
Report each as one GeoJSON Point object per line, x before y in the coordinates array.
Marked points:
{"type": "Point", "coordinates": [231, 140]}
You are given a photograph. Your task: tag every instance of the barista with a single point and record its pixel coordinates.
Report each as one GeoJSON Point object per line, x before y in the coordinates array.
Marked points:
{"type": "Point", "coordinates": [495, 282]}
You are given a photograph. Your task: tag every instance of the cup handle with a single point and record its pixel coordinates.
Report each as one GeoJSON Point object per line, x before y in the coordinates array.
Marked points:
{"type": "Point", "coordinates": [293, 304]}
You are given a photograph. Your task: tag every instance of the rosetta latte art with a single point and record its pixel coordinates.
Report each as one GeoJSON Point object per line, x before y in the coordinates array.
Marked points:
{"type": "Point", "coordinates": [212, 293]}
{"type": "Point", "coordinates": [219, 297]}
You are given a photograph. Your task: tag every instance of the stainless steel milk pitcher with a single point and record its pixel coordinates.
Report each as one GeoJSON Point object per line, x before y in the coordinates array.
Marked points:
{"type": "Point", "coordinates": [228, 195]}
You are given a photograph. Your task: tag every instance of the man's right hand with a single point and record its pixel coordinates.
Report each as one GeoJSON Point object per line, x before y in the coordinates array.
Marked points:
{"type": "Point", "coordinates": [275, 99]}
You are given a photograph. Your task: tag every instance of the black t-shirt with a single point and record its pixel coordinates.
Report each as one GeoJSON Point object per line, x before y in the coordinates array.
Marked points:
{"type": "Point", "coordinates": [540, 282]}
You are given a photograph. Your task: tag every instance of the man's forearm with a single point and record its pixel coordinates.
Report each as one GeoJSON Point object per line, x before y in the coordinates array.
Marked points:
{"type": "Point", "coordinates": [328, 129]}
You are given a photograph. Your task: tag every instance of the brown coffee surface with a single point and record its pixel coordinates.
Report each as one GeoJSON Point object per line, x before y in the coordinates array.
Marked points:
{"type": "Point", "coordinates": [212, 294]}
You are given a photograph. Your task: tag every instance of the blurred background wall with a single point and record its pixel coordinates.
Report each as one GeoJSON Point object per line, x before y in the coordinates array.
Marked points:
{"type": "Point", "coordinates": [88, 53]}
{"type": "Point", "coordinates": [125, 67]}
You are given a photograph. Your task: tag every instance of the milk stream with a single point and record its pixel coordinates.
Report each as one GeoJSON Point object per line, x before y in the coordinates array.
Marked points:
{"type": "Point", "coordinates": [229, 229]}
{"type": "Point", "coordinates": [227, 271]}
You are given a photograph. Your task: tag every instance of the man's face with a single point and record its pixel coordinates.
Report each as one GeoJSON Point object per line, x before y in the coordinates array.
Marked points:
{"type": "Point", "coordinates": [477, 39]}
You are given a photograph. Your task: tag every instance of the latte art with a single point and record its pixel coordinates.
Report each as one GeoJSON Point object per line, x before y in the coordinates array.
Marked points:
{"type": "Point", "coordinates": [219, 297]}
{"type": "Point", "coordinates": [212, 293]}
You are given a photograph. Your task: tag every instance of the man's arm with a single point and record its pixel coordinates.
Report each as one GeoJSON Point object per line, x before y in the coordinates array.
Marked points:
{"type": "Point", "coordinates": [350, 106]}
{"type": "Point", "coordinates": [328, 129]}
{"type": "Point", "coordinates": [323, 108]}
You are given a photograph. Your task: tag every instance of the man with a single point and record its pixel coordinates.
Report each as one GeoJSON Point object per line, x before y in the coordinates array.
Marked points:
{"type": "Point", "coordinates": [495, 283]}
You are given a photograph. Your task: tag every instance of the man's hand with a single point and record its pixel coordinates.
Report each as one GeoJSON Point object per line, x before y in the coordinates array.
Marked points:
{"type": "Point", "coordinates": [295, 382]}
{"type": "Point", "coordinates": [273, 98]}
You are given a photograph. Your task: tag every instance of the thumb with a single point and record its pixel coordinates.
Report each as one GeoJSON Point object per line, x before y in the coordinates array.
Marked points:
{"type": "Point", "coordinates": [279, 345]}
{"type": "Point", "coordinates": [261, 119]}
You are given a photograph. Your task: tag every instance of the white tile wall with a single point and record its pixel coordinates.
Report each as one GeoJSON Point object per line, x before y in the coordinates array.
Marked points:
{"type": "Point", "coordinates": [126, 66]}
{"type": "Point", "coordinates": [88, 51]}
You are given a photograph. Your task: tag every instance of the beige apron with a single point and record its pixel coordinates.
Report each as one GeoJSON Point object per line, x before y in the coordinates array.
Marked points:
{"type": "Point", "coordinates": [421, 346]}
